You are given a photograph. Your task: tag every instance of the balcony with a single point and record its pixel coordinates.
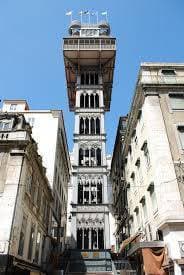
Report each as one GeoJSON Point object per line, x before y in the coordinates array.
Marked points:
{"type": "Point", "coordinates": [89, 44]}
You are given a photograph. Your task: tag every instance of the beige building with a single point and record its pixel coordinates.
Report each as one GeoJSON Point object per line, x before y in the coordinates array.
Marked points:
{"type": "Point", "coordinates": [154, 164]}
{"type": "Point", "coordinates": [119, 190]}
{"type": "Point", "coordinates": [48, 130]}
{"type": "Point", "coordinates": [25, 200]}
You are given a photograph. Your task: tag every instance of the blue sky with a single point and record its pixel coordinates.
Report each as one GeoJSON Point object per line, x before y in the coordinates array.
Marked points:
{"type": "Point", "coordinates": [31, 64]}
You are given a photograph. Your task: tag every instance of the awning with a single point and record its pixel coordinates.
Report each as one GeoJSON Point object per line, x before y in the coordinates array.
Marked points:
{"type": "Point", "coordinates": [154, 260]}
{"type": "Point", "coordinates": [127, 241]}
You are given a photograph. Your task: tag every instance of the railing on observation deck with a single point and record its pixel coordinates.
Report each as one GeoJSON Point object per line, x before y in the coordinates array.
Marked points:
{"type": "Point", "coordinates": [89, 44]}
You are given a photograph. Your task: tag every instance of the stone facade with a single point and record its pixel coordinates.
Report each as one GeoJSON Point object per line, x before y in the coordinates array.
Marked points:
{"type": "Point", "coordinates": [117, 177]}
{"type": "Point", "coordinates": [48, 130]}
{"type": "Point", "coordinates": [25, 200]}
{"type": "Point", "coordinates": [153, 160]}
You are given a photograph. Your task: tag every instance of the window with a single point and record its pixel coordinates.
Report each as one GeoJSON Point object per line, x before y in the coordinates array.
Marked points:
{"type": "Point", "coordinates": [13, 107]}
{"type": "Point", "coordinates": [31, 121]}
{"type": "Point", "coordinates": [31, 242]}
{"type": "Point", "coordinates": [89, 100]}
{"type": "Point", "coordinates": [181, 135]}
{"type": "Point", "coordinates": [37, 249]}
{"type": "Point", "coordinates": [22, 236]}
{"type": "Point", "coordinates": [89, 78]}
{"type": "Point", "coordinates": [132, 176]}
{"type": "Point", "coordinates": [98, 153]}
{"type": "Point", "coordinates": [168, 72]}
{"type": "Point", "coordinates": [146, 153]}
{"type": "Point", "coordinates": [97, 126]}
{"type": "Point", "coordinates": [82, 101]}
{"type": "Point", "coordinates": [97, 101]}
{"type": "Point", "coordinates": [144, 208]}
{"type": "Point", "coordinates": [90, 157]}
{"type": "Point", "coordinates": [89, 126]}
{"type": "Point", "coordinates": [137, 216]}
{"type": "Point", "coordinates": [177, 101]}
{"type": "Point", "coordinates": [151, 189]}
{"type": "Point", "coordinates": [92, 101]}
{"type": "Point", "coordinates": [92, 126]}
{"type": "Point", "coordinates": [90, 190]}
{"type": "Point", "coordinates": [5, 125]}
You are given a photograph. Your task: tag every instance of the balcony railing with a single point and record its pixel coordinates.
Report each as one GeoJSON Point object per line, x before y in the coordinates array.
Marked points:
{"type": "Point", "coordinates": [100, 44]}
{"type": "Point", "coordinates": [89, 47]}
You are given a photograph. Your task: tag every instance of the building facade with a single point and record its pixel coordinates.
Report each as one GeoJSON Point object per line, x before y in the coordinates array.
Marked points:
{"type": "Point", "coordinates": [48, 130]}
{"type": "Point", "coordinates": [117, 177]}
{"type": "Point", "coordinates": [25, 200]}
{"type": "Point", "coordinates": [89, 56]}
{"type": "Point", "coordinates": [154, 163]}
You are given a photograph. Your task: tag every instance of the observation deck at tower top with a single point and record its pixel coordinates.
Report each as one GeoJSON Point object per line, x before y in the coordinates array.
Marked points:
{"type": "Point", "coordinates": [89, 46]}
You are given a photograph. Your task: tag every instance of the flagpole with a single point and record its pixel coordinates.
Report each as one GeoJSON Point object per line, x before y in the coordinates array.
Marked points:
{"type": "Point", "coordinates": [81, 16]}
{"type": "Point", "coordinates": [106, 17]}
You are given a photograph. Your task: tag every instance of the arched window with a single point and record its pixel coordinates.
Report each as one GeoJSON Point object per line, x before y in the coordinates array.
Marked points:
{"type": "Point", "coordinates": [92, 126]}
{"type": "Point", "coordinates": [81, 126]}
{"type": "Point", "coordinates": [97, 126]}
{"type": "Point", "coordinates": [94, 244]}
{"type": "Point", "coordinates": [86, 238]}
{"type": "Point", "coordinates": [87, 126]}
{"type": "Point", "coordinates": [86, 192]}
{"type": "Point", "coordinates": [97, 101]}
{"type": "Point", "coordinates": [92, 101]}
{"type": "Point", "coordinates": [98, 156]}
{"type": "Point", "coordinates": [87, 101]}
{"type": "Point", "coordinates": [80, 193]}
{"type": "Point", "coordinates": [86, 157]}
{"type": "Point", "coordinates": [93, 160]}
{"type": "Point", "coordinates": [99, 192]}
{"type": "Point", "coordinates": [80, 156]}
{"type": "Point", "coordinates": [82, 101]}
{"type": "Point", "coordinates": [79, 238]}
{"type": "Point", "coordinates": [100, 238]}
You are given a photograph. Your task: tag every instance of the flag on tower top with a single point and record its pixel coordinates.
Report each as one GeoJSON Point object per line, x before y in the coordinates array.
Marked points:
{"type": "Point", "coordinates": [104, 13]}
{"type": "Point", "coordinates": [68, 13]}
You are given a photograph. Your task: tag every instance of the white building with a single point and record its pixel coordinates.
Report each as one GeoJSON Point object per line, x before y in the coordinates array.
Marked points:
{"type": "Point", "coordinates": [154, 163]}
{"type": "Point", "coordinates": [49, 132]}
{"type": "Point", "coordinates": [25, 200]}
